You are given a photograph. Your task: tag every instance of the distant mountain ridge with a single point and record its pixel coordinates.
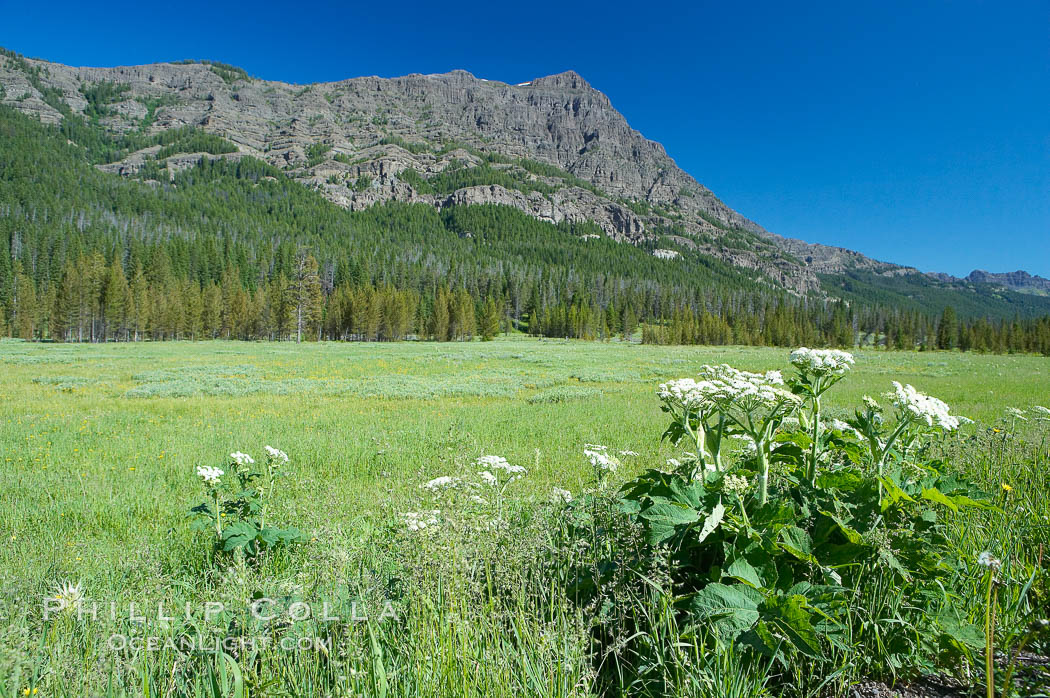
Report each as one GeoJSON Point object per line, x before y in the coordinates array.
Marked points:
{"type": "Point", "coordinates": [1020, 281]}
{"type": "Point", "coordinates": [553, 147]}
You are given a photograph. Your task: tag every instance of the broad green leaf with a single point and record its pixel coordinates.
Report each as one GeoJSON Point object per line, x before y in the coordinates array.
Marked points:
{"type": "Point", "coordinates": [238, 535]}
{"type": "Point", "coordinates": [852, 534]}
{"type": "Point", "coordinates": [935, 495]}
{"type": "Point", "coordinates": [843, 480]}
{"type": "Point", "coordinates": [797, 542]}
{"type": "Point", "coordinates": [665, 516]}
{"type": "Point", "coordinates": [893, 493]}
{"type": "Point", "coordinates": [743, 571]}
{"type": "Point", "coordinates": [959, 630]}
{"type": "Point", "coordinates": [728, 609]}
{"type": "Point", "coordinates": [832, 555]}
{"type": "Point", "coordinates": [790, 615]}
{"type": "Point", "coordinates": [688, 493]}
{"type": "Point", "coordinates": [964, 501]}
{"type": "Point", "coordinates": [711, 522]}
{"type": "Point", "coordinates": [270, 536]}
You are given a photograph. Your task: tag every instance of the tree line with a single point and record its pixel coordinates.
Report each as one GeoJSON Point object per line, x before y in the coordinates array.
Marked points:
{"type": "Point", "coordinates": [234, 249]}
{"type": "Point", "coordinates": [843, 326]}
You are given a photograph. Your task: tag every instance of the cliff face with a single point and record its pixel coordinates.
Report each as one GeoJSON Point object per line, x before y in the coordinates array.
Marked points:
{"type": "Point", "coordinates": [566, 151]}
{"type": "Point", "coordinates": [1020, 281]}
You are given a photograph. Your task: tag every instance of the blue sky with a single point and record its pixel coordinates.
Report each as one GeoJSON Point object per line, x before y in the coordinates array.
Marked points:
{"type": "Point", "coordinates": [915, 132]}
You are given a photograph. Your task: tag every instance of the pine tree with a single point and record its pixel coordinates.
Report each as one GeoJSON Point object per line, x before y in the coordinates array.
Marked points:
{"type": "Point", "coordinates": [947, 330]}
{"type": "Point", "coordinates": [115, 301]}
{"type": "Point", "coordinates": [25, 307]}
{"type": "Point", "coordinates": [439, 316]}
{"type": "Point", "coordinates": [490, 320]}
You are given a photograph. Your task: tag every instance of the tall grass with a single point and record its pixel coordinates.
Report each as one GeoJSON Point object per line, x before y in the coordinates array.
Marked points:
{"type": "Point", "coordinates": [98, 446]}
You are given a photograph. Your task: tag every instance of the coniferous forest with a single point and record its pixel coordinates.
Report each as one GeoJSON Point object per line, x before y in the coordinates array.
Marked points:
{"type": "Point", "coordinates": [232, 248]}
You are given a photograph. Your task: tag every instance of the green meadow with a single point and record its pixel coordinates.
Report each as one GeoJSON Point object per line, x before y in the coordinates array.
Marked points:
{"type": "Point", "coordinates": [99, 446]}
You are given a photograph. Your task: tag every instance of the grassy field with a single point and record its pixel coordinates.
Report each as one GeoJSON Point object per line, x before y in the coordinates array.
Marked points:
{"type": "Point", "coordinates": [99, 445]}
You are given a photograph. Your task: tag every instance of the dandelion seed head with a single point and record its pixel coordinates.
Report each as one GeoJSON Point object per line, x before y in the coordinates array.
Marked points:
{"type": "Point", "coordinates": [986, 559]}
{"type": "Point", "coordinates": [68, 596]}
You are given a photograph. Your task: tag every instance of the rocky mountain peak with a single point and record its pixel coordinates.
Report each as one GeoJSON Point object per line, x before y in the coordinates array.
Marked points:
{"type": "Point", "coordinates": [554, 147]}
{"type": "Point", "coordinates": [569, 80]}
{"type": "Point", "coordinates": [1015, 280]}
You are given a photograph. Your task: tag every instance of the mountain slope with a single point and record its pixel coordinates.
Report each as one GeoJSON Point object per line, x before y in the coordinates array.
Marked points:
{"type": "Point", "coordinates": [335, 136]}
{"type": "Point", "coordinates": [553, 148]}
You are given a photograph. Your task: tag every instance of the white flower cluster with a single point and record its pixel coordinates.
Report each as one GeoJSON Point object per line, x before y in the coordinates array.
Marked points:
{"type": "Point", "coordinates": [1016, 414]}
{"type": "Point", "coordinates": [420, 520]}
{"type": "Point", "coordinates": [724, 386]}
{"type": "Point", "coordinates": [560, 495]}
{"type": "Point", "coordinates": [683, 392]}
{"type": "Point", "coordinates": [872, 404]}
{"type": "Point", "coordinates": [209, 474]}
{"type": "Point", "coordinates": [438, 484]}
{"type": "Point", "coordinates": [1042, 413]}
{"type": "Point", "coordinates": [735, 484]}
{"type": "Point", "coordinates": [500, 463]}
{"type": "Point", "coordinates": [839, 425]}
{"type": "Point", "coordinates": [276, 455]}
{"type": "Point", "coordinates": [923, 407]}
{"type": "Point", "coordinates": [822, 362]}
{"type": "Point", "coordinates": [600, 458]}
{"type": "Point", "coordinates": [748, 390]}
{"type": "Point", "coordinates": [241, 459]}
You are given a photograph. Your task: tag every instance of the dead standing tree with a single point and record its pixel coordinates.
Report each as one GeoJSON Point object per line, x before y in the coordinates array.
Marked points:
{"type": "Point", "coordinates": [306, 289]}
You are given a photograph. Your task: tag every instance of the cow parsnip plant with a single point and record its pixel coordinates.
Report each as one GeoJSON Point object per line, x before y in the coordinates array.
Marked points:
{"type": "Point", "coordinates": [237, 504]}
{"type": "Point", "coordinates": [771, 551]}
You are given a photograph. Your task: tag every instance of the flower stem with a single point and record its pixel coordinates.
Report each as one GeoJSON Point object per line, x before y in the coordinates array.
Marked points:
{"type": "Point", "coordinates": [763, 474]}
{"type": "Point", "coordinates": [989, 635]}
{"type": "Point", "coordinates": [815, 450]}
{"type": "Point", "coordinates": [743, 509]}
{"type": "Point", "coordinates": [218, 516]}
